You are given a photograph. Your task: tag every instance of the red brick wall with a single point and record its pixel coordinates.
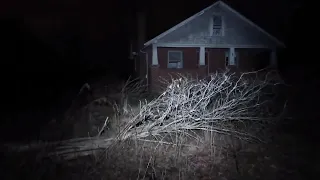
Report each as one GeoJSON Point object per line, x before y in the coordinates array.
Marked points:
{"type": "Point", "coordinates": [248, 59]}
{"type": "Point", "coordinates": [190, 59]}
{"type": "Point", "coordinates": [190, 66]}
{"type": "Point", "coordinates": [216, 59]}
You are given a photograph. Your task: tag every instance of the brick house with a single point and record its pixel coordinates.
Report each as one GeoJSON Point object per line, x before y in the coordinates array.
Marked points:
{"type": "Point", "coordinates": [216, 38]}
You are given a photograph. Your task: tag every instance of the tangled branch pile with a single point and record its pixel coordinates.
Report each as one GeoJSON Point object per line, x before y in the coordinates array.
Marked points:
{"type": "Point", "coordinates": [222, 103]}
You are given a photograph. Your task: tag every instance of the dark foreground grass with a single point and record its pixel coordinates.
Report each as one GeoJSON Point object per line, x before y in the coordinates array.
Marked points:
{"type": "Point", "coordinates": [284, 158]}
{"type": "Point", "coordinates": [287, 156]}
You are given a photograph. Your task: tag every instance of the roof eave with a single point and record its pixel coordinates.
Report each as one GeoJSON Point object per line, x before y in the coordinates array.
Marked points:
{"type": "Point", "coordinates": [180, 24]}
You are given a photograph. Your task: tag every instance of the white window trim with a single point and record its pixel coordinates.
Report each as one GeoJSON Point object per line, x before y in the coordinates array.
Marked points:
{"type": "Point", "coordinates": [222, 25]}
{"type": "Point", "coordinates": [168, 60]}
{"type": "Point", "coordinates": [226, 55]}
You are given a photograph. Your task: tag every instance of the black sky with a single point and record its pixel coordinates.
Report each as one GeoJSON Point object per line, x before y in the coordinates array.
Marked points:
{"type": "Point", "coordinates": [51, 48]}
{"type": "Point", "coordinates": [101, 20]}
{"type": "Point", "coordinates": [78, 35]}
{"type": "Point", "coordinates": [272, 15]}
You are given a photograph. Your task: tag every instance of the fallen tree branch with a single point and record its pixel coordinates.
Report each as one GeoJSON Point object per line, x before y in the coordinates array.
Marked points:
{"type": "Point", "coordinates": [223, 103]}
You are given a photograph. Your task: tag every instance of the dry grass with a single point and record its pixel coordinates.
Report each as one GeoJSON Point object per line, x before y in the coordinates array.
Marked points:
{"type": "Point", "coordinates": [196, 129]}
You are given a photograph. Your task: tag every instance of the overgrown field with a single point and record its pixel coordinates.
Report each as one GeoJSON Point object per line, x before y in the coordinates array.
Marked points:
{"type": "Point", "coordinates": [221, 127]}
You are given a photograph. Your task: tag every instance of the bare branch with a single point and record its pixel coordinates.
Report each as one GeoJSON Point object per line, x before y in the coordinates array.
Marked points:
{"type": "Point", "coordinates": [217, 101]}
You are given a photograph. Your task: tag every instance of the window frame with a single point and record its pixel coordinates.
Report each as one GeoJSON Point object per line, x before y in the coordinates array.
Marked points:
{"type": "Point", "coordinates": [176, 62]}
{"type": "Point", "coordinates": [215, 27]}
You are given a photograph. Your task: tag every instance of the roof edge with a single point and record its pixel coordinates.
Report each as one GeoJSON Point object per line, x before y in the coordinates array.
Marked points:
{"type": "Point", "coordinates": [180, 24]}
{"type": "Point", "coordinates": [278, 42]}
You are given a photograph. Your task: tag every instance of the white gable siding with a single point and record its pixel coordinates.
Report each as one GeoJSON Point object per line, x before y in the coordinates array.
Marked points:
{"type": "Point", "coordinates": [236, 31]}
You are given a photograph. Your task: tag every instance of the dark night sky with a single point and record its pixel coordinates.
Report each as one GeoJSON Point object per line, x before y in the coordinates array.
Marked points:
{"type": "Point", "coordinates": [73, 35]}
{"type": "Point", "coordinates": [101, 21]}
{"type": "Point", "coordinates": [50, 44]}
{"type": "Point", "coordinates": [104, 26]}
{"type": "Point", "coordinates": [272, 15]}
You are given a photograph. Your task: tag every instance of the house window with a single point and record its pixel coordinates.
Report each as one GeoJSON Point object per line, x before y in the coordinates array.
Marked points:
{"type": "Point", "coordinates": [236, 59]}
{"type": "Point", "coordinates": [217, 25]}
{"type": "Point", "coordinates": [175, 59]}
